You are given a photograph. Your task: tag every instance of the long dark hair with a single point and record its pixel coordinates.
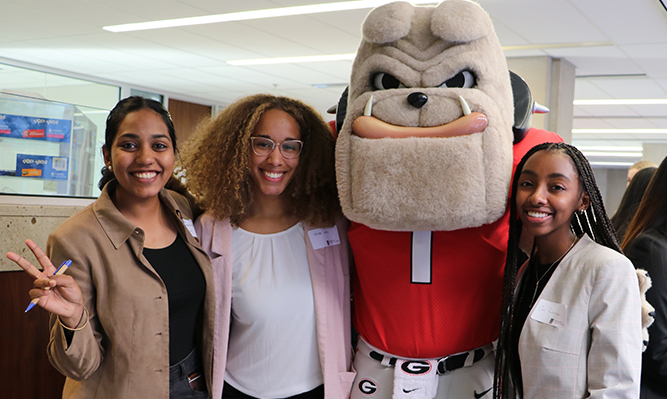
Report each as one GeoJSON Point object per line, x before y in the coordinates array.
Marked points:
{"type": "Point", "coordinates": [652, 211]}
{"type": "Point", "coordinates": [630, 202]}
{"type": "Point", "coordinates": [593, 221]}
{"type": "Point", "coordinates": [116, 117]}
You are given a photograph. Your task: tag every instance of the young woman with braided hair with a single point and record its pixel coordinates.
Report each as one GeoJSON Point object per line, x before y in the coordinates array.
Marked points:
{"type": "Point", "coordinates": [571, 321]}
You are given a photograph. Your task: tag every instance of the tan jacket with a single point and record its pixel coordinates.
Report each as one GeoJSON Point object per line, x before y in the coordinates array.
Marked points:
{"type": "Point", "coordinates": [124, 351]}
{"type": "Point", "coordinates": [329, 271]}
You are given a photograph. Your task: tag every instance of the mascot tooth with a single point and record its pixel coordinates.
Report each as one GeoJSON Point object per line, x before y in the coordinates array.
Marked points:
{"type": "Point", "coordinates": [424, 162]}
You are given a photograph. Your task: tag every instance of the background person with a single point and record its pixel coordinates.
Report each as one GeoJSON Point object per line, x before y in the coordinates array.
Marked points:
{"type": "Point", "coordinates": [572, 328]}
{"type": "Point", "coordinates": [264, 170]}
{"type": "Point", "coordinates": [630, 201]}
{"type": "Point", "coordinates": [133, 316]}
{"type": "Point", "coordinates": [645, 244]}
{"type": "Point", "coordinates": [637, 166]}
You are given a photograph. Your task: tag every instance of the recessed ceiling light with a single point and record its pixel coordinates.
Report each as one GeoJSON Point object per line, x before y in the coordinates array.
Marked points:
{"type": "Point", "coordinates": [619, 131]}
{"type": "Point", "coordinates": [255, 14]}
{"type": "Point", "coordinates": [611, 164]}
{"type": "Point", "coordinates": [627, 101]}
{"type": "Point", "coordinates": [585, 148]}
{"type": "Point", "coordinates": [547, 46]}
{"type": "Point", "coordinates": [293, 60]}
{"type": "Point", "coordinates": [338, 57]}
{"type": "Point", "coordinates": [613, 154]}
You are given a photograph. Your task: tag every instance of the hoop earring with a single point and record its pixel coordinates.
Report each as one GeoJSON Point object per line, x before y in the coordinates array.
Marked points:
{"type": "Point", "coordinates": [590, 229]}
{"type": "Point", "coordinates": [577, 216]}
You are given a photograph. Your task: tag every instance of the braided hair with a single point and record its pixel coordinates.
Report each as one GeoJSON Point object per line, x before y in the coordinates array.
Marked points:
{"type": "Point", "coordinates": [593, 221]}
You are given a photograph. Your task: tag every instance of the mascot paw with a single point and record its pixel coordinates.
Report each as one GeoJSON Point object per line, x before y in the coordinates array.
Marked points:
{"type": "Point", "coordinates": [648, 311]}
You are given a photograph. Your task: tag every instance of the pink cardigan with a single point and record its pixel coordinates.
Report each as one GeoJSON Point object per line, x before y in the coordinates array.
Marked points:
{"type": "Point", "coordinates": [329, 270]}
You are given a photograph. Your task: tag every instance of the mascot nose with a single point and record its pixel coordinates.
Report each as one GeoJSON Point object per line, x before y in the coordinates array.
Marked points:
{"type": "Point", "coordinates": [418, 99]}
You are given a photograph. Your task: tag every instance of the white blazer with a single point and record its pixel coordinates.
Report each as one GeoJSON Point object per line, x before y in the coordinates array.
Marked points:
{"type": "Point", "coordinates": [597, 352]}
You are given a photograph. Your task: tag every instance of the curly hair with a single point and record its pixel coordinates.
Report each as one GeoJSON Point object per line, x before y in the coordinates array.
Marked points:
{"type": "Point", "coordinates": [216, 160]}
{"type": "Point", "coordinates": [593, 221]}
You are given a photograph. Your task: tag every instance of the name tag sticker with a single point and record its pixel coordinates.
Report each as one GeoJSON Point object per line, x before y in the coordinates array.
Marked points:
{"type": "Point", "coordinates": [322, 238]}
{"type": "Point", "coordinates": [554, 314]}
{"type": "Point", "coordinates": [190, 226]}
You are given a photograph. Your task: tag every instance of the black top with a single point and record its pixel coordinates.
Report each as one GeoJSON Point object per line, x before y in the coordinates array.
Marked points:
{"type": "Point", "coordinates": [649, 252]}
{"type": "Point", "coordinates": [186, 289]}
{"type": "Point", "coordinates": [528, 293]}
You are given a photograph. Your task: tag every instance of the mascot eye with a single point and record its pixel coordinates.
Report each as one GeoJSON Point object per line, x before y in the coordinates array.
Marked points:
{"type": "Point", "coordinates": [463, 80]}
{"type": "Point", "coordinates": [384, 81]}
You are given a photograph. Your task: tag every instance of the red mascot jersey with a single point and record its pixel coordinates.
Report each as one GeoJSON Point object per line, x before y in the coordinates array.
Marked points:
{"type": "Point", "coordinates": [444, 301]}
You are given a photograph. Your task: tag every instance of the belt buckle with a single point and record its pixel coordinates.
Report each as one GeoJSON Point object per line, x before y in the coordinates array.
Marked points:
{"type": "Point", "coordinates": [442, 365]}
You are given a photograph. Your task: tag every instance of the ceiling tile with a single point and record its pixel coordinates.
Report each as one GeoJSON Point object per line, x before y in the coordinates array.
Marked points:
{"type": "Point", "coordinates": [627, 22]}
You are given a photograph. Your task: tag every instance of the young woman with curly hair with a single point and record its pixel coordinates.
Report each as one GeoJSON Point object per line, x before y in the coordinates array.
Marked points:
{"type": "Point", "coordinates": [264, 171]}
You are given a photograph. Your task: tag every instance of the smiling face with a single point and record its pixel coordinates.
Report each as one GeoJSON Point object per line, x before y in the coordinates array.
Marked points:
{"type": "Point", "coordinates": [411, 155]}
{"type": "Point", "coordinates": [548, 194]}
{"type": "Point", "coordinates": [141, 156]}
{"type": "Point", "coordinates": [272, 173]}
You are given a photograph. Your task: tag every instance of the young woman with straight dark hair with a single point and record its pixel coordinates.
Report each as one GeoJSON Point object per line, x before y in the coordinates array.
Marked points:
{"type": "Point", "coordinates": [133, 315]}
{"type": "Point", "coordinates": [630, 201]}
{"type": "Point", "coordinates": [645, 244]}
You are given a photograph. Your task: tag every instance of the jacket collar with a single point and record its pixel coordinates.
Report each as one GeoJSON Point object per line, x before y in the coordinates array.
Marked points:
{"type": "Point", "coordinates": [221, 238]}
{"type": "Point", "coordinates": [116, 226]}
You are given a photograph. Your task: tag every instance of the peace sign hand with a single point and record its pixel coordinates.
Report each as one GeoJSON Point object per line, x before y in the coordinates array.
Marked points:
{"type": "Point", "coordinates": [60, 295]}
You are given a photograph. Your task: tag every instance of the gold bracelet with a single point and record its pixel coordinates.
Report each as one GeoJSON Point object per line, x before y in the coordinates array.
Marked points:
{"type": "Point", "coordinates": [79, 328]}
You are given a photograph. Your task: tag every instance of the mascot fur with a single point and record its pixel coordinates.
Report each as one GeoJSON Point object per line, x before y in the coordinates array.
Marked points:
{"type": "Point", "coordinates": [424, 162]}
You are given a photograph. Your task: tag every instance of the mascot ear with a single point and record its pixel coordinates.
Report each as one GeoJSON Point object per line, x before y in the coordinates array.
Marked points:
{"type": "Point", "coordinates": [460, 22]}
{"type": "Point", "coordinates": [341, 110]}
{"type": "Point", "coordinates": [388, 22]}
{"type": "Point", "coordinates": [523, 106]}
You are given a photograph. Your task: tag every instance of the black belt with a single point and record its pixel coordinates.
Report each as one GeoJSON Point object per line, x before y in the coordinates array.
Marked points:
{"type": "Point", "coordinates": [445, 364]}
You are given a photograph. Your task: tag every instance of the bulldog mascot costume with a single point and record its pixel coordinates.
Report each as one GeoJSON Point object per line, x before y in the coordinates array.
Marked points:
{"type": "Point", "coordinates": [424, 163]}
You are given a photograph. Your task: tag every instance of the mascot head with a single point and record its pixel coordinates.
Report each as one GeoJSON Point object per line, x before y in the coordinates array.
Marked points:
{"type": "Point", "coordinates": [426, 143]}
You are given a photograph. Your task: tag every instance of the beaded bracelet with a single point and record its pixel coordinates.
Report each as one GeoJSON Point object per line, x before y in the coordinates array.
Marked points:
{"type": "Point", "coordinates": [78, 328]}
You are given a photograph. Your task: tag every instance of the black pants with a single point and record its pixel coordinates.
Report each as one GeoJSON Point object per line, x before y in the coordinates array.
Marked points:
{"type": "Point", "coordinates": [229, 392]}
{"type": "Point", "coordinates": [179, 386]}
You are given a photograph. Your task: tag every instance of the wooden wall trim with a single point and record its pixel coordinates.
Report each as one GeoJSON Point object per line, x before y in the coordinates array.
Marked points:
{"type": "Point", "coordinates": [186, 117]}
{"type": "Point", "coordinates": [25, 371]}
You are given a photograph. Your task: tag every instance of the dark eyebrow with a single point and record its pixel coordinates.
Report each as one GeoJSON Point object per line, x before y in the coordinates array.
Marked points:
{"type": "Point", "coordinates": [137, 137]}
{"type": "Point", "coordinates": [551, 176]}
{"type": "Point", "coordinates": [266, 136]}
{"type": "Point", "coordinates": [556, 175]}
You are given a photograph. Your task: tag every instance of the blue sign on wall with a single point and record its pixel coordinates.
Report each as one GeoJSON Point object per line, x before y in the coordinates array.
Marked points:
{"type": "Point", "coordinates": [42, 166]}
{"type": "Point", "coordinates": [28, 127]}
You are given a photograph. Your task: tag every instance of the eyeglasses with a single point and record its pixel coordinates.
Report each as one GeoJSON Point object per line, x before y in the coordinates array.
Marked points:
{"type": "Point", "coordinates": [263, 146]}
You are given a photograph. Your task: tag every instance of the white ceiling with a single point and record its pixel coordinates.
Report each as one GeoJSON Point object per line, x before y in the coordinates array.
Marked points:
{"type": "Point", "coordinates": [189, 62]}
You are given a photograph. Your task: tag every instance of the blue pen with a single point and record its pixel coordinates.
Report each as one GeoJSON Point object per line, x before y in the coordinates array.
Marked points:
{"type": "Point", "coordinates": [58, 272]}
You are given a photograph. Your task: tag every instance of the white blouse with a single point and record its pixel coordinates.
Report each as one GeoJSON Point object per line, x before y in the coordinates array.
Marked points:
{"type": "Point", "coordinates": [272, 343]}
